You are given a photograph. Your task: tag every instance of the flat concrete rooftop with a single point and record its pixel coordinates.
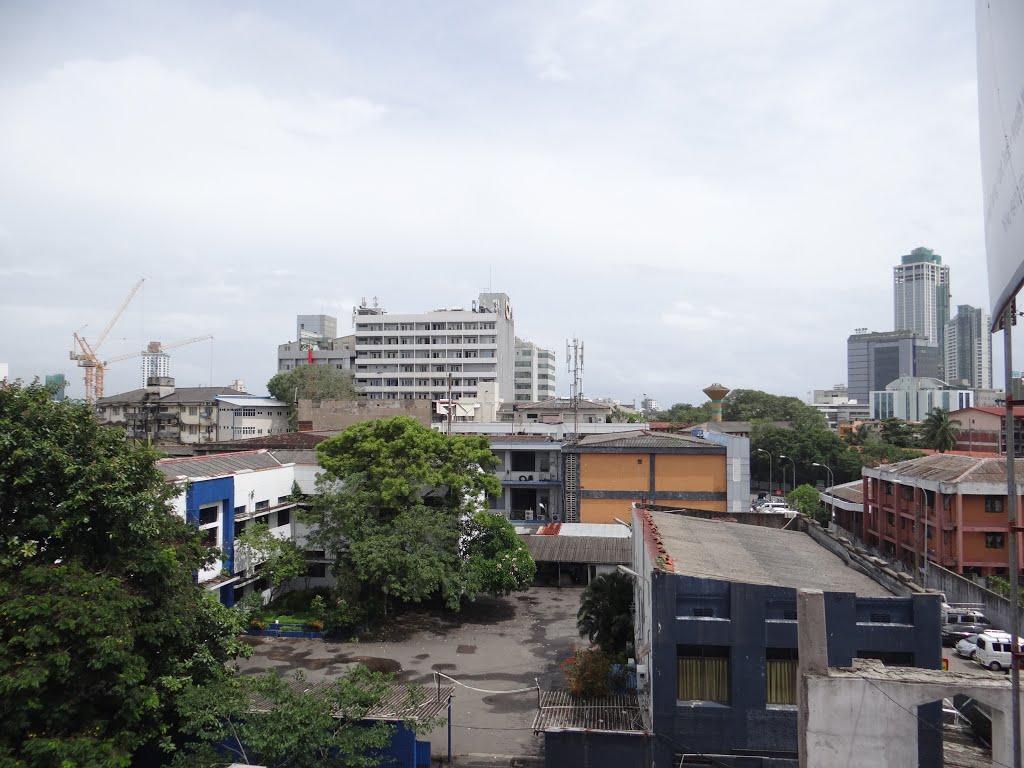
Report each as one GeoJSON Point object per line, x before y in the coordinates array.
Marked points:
{"type": "Point", "coordinates": [755, 555]}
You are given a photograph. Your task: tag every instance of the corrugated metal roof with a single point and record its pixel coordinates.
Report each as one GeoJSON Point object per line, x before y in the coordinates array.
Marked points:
{"type": "Point", "coordinates": [296, 456]}
{"type": "Point", "coordinates": [179, 395]}
{"type": "Point", "coordinates": [560, 711]}
{"type": "Point", "coordinates": [643, 438]}
{"type": "Point", "coordinates": [253, 402]}
{"type": "Point", "coordinates": [216, 465]}
{"type": "Point", "coordinates": [602, 550]}
{"type": "Point", "coordinates": [947, 468]}
{"type": "Point", "coordinates": [853, 492]}
{"type": "Point", "coordinates": [600, 530]}
{"type": "Point", "coordinates": [554, 404]}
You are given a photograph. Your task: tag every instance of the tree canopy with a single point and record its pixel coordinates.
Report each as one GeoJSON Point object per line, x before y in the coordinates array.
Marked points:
{"type": "Point", "coordinates": [100, 619]}
{"type": "Point", "coordinates": [754, 405]}
{"type": "Point", "coordinates": [399, 504]}
{"type": "Point", "coordinates": [311, 382]}
{"type": "Point", "coordinates": [293, 728]}
{"type": "Point", "coordinates": [684, 413]}
{"type": "Point", "coordinates": [281, 560]}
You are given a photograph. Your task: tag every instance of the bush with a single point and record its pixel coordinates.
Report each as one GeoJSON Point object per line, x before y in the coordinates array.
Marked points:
{"type": "Point", "coordinates": [587, 672]}
{"type": "Point", "coordinates": [300, 600]}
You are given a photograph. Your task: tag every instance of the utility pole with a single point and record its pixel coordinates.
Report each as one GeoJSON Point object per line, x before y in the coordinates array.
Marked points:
{"type": "Point", "coordinates": [574, 365]}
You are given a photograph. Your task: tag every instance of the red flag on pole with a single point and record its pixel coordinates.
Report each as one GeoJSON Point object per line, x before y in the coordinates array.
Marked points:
{"type": "Point", "coordinates": [310, 358]}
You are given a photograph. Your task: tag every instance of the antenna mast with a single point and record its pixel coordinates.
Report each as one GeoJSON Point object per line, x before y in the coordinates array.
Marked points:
{"type": "Point", "coordinates": [574, 365]}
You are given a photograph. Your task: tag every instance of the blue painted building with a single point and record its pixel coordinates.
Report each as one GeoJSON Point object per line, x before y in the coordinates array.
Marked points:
{"type": "Point", "coordinates": [221, 494]}
{"type": "Point", "coordinates": [717, 635]}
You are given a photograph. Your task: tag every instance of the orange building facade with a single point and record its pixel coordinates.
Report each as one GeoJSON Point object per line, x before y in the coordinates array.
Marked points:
{"type": "Point", "coordinates": [957, 504]}
{"type": "Point", "coordinates": [606, 474]}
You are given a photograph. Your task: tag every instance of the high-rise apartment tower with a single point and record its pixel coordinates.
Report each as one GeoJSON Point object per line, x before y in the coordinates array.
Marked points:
{"type": "Point", "coordinates": [968, 348]}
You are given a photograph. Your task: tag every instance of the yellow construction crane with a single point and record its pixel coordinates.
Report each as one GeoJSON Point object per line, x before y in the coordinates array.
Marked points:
{"type": "Point", "coordinates": [87, 354]}
{"type": "Point", "coordinates": [156, 347]}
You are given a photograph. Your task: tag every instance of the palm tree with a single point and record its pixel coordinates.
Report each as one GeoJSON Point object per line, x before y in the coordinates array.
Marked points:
{"type": "Point", "coordinates": [605, 616]}
{"type": "Point", "coordinates": [939, 432]}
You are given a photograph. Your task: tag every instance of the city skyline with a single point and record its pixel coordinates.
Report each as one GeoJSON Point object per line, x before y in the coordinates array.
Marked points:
{"type": "Point", "coordinates": [699, 194]}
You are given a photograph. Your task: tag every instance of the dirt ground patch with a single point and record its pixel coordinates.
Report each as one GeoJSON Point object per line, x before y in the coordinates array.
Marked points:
{"type": "Point", "coordinates": [517, 643]}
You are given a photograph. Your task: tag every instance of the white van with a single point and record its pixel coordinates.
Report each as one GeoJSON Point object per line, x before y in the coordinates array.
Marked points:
{"type": "Point", "coordinates": [994, 650]}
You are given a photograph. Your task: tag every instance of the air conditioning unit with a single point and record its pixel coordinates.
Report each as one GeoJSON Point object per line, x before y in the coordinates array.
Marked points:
{"type": "Point", "coordinates": [556, 518]}
{"type": "Point", "coordinates": [529, 514]}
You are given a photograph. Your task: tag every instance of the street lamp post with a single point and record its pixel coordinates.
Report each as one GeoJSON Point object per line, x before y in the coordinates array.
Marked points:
{"type": "Point", "coordinates": [762, 450]}
{"type": "Point", "coordinates": [831, 485]}
{"type": "Point", "coordinates": [781, 457]}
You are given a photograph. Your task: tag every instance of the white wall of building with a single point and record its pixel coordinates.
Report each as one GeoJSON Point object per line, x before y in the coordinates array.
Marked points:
{"type": "Point", "coordinates": [239, 417]}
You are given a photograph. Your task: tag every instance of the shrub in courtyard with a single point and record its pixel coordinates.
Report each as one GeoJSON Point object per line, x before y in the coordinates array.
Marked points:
{"type": "Point", "coordinates": [587, 672]}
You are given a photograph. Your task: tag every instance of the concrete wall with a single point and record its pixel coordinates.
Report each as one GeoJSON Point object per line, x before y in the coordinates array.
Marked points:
{"type": "Point", "coordinates": [320, 415]}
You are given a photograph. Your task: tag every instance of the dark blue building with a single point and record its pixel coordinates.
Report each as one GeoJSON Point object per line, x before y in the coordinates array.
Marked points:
{"type": "Point", "coordinates": [717, 635]}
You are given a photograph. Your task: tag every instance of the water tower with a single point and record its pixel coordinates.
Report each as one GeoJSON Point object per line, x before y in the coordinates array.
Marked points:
{"type": "Point", "coordinates": [716, 394]}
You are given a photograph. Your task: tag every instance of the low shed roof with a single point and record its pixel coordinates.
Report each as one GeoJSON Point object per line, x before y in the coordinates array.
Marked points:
{"type": "Point", "coordinates": [560, 711]}
{"type": "Point", "coordinates": [599, 550]}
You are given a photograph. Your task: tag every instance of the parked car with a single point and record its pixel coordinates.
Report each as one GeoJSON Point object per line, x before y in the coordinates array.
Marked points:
{"type": "Point", "coordinates": [954, 633]}
{"type": "Point", "coordinates": [967, 647]}
{"type": "Point", "coordinates": [771, 505]}
{"type": "Point", "coordinates": [973, 616]}
{"type": "Point", "coordinates": [994, 650]}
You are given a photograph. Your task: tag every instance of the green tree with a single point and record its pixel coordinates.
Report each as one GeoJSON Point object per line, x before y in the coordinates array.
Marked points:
{"type": "Point", "coordinates": [311, 382]}
{"type": "Point", "coordinates": [684, 413]}
{"type": "Point", "coordinates": [397, 501]}
{"type": "Point", "coordinates": [806, 501]}
{"type": "Point", "coordinates": [859, 435]}
{"type": "Point", "coordinates": [495, 561]}
{"type": "Point", "coordinates": [100, 620]}
{"type": "Point", "coordinates": [898, 433]}
{"type": "Point", "coordinates": [754, 405]}
{"type": "Point", "coordinates": [605, 616]}
{"type": "Point", "coordinates": [281, 560]}
{"type": "Point", "coordinates": [295, 725]}
{"type": "Point", "coordinates": [938, 432]}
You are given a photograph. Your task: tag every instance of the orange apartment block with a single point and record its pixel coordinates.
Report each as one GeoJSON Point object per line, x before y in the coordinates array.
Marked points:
{"type": "Point", "coordinates": [615, 470]}
{"type": "Point", "coordinates": [958, 504]}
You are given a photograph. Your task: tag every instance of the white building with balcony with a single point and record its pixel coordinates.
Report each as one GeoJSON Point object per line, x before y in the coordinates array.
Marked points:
{"type": "Point", "coordinates": [222, 494]}
{"type": "Point", "coordinates": [445, 354]}
{"type": "Point", "coordinates": [531, 486]}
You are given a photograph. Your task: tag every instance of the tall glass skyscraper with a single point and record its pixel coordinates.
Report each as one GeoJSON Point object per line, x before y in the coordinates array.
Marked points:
{"type": "Point", "coordinates": [921, 296]}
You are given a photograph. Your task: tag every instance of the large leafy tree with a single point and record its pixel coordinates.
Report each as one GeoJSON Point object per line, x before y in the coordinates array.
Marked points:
{"type": "Point", "coordinates": [605, 616]}
{"type": "Point", "coordinates": [684, 413]}
{"type": "Point", "coordinates": [398, 505]}
{"type": "Point", "coordinates": [754, 405]}
{"type": "Point", "coordinates": [898, 433]}
{"type": "Point", "coordinates": [311, 382]}
{"type": "Point", "coordinates": [282, 722]}
{"type": "Point", "coordinates": [939, 432]}
{"type": "Point", "coordinates": [100, 620]}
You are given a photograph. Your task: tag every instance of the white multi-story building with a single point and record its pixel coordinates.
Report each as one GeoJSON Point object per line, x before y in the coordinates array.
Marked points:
{"type": "Point", "coordinates": [912, 398]}
{"type": "Point", "coordinates": [921, 295]}
{"type": "Point", "coordinates": [240, 416]}
{"type": "Point", "coordinates": [439, 355]}
{"type": "Point", "coordinates": [155, 362]}
{"type": "Point", "coordinates": [316, 343]}
{"type": "Point", "coordinates": [165, 414]}
{"type": "Point", "coordinates": [968, 350]}
{"type": "Point", "coordinates": [535, 372]}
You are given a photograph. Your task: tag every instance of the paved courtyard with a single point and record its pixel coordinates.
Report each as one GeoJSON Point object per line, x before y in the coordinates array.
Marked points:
{"type": "Point", "coordinates": [495, 644]}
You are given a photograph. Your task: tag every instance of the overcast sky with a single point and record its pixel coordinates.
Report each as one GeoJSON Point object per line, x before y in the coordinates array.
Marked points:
{"type": "Point", "coordinates": [700, 191]}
